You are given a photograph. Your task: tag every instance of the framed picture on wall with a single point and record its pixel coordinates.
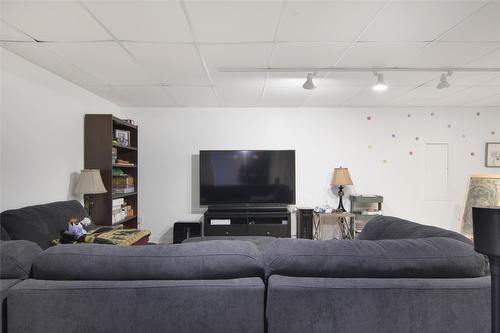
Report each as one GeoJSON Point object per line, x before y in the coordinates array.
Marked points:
{"type": "Point", "coordinates": [492, 158]}
{"type": "Point", "coordinates": [123, 137]}
{"type": "Point", "coordinates": [482, 191]}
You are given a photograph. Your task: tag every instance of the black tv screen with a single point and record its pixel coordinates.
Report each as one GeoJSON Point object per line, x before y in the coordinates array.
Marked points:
{"type": "Point", "coordinates": [247, 177]}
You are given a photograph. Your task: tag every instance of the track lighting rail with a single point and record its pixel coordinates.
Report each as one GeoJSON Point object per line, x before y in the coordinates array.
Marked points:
{"type": "Point", "coordinates": [355, 69]}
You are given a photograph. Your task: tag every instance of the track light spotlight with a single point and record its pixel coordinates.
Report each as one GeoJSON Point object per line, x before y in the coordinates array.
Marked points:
{"type": "Point", "coordinates": [380, 85]}
{"type": "Point", "coordinates": [443, 81]}
{"type": "Point", "coordinates": [309, 84]}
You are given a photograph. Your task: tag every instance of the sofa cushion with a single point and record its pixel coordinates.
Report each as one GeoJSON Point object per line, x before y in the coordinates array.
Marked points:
{"type": "Point", "coordinates": [16, 258]}
{"type": "Point", "coordinates": [203, 260]}
{"type": "Point", "coordinates": [389, 227]}
{"type": "Point", "coordinates": [4, 235]}
{"type": "Point", "coordinates": [435, 257]}
{"type": "Point", "coordinates": [41, 223]}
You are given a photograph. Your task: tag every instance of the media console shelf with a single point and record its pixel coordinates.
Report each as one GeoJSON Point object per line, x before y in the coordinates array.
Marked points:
{"type": "Point", "coordinates": [247, 223]}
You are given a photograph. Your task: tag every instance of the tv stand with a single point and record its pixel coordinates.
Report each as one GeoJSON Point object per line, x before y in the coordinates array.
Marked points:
{"type": "Point", "coordinates": [247, 221]}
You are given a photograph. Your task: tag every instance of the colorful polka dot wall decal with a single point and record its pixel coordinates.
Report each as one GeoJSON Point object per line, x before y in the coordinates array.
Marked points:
{"type": "Point", "coordinates": [478, 113]}
{"type": "Point", "coordinates": [384, 161]}
{"type": "Point", "coordinates": [432, 114]}
{"type": "Point", "coordinates": [417, 138]}
{"type": "Point", "coordinates": [463, 136]}
{"type": "Point", "coordinates": [492, 132]}
{"type": "Point", "coordinates": [409, 115]}
{"type": "Point", "coordinates": [411, 153]}
{"type": "Point", "coordinates": [472, 153]}
{"type": "Point", "coordinates": [369, 118]}
{"type": "Point", "coordinates": [449, 125]}
{"type": "Point", "coordinates": [394, 135]}
{"type": "Point", "coordinates": [370, 146]}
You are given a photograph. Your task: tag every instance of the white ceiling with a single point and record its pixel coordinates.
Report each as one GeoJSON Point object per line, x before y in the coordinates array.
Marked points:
{"type": "Point", "coordinates": [167, 53]}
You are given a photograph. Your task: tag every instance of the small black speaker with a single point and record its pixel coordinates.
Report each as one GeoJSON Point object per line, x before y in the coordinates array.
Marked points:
{"type": "Point", "coordinates": [184, 230]}
{"type": "Point", "coordinates": [486, 229]}
{"type": "Point", "coordinates": [305, 223]}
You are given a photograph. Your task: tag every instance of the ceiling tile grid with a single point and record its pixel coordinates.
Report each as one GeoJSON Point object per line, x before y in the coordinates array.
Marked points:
{"type": "Point", "coordinates": [168, 53]}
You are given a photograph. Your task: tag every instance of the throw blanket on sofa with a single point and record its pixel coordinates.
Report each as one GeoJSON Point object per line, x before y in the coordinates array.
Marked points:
{"type": "Point", "coordinates": [115, 236]}
{"type": "Point", "coordinates": [107, 235]}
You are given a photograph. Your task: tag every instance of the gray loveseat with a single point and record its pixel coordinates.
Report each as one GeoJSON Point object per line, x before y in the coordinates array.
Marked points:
{"type": "Point", "coordinates": [398, 276]}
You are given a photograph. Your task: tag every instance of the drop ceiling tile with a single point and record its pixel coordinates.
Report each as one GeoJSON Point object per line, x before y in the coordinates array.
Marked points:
{"type": "Point", "coordinates": [42, 56]}
{"type": "Point", "coordinates": [193, 96]}
{"type": "Point", "coordinates": [239, 94]}
{"type": "Point", "coordinates": [379, 54]}
{"type": "Point", "coordinates": [467, 96]}
{"type": "Point", "coordinates": [424, 96]}
{"type": "Point", "coordinates": [324, 96]}
{"type": "Point", "coordinates": [417, 20]}
{"type": "Point", "coordinates": [493, 82]}
{"type": "Point", "coordinates": [307, 54]}
{"type": "Point", "coordinates": [10, 34]}
{"type": "Point", "coordinates": [143, 20]}
{"type": "Point", "coordinates": [491, 59]}
{"type": "Point", "coordinates": [236, 55]}
{"type": "Point", "coordinates": [234, 21]}
{"type": "Point", "coordinates": [144, 96]}
{"type": "Point", "coordinates": [488, 101]}
{"type": "Point", "coordinates": [53, 20]}
{"type": "Point", "coordinates": [450, 54]}
{"type": "Point", "coordinates": [484, 25]}
{"type": "Point", "coordinates": [368, 97]}
{"type": "Point", "coordinates": [170, 64]}
{"type": "Point", "coordinates": [325, 21]}
{"type": "Point", "coordinates": [106, 61]}
{"type": "Point", "coordinates": [283, 96]}
{"type": "Point", "coordinates": [109, 94]}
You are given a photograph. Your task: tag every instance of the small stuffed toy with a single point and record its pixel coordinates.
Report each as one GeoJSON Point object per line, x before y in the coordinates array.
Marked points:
{"type": "Point", "coordinates": [75, 227]}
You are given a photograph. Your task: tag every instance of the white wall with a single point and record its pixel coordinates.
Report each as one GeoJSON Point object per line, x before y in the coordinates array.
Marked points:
{"type": "Point", "coordinates": [41, 132]}
{"type": "Point", "coordinates": [323, 138]}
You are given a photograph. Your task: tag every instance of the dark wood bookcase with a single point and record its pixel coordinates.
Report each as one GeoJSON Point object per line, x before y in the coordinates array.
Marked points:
{"type": "Point", "coordinates": [98, 150]}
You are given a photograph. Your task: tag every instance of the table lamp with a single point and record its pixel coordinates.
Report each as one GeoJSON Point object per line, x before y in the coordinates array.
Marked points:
{"type": "Point", "coordinates": [486, 230]}
{"type": "Point", "coordinates": [90, 182]}
{"type": "Point", "coordinates": [341, 178]}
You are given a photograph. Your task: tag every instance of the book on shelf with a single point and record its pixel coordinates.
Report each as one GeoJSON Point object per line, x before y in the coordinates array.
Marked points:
{"type": "Point", "coordinates": [124, 189]}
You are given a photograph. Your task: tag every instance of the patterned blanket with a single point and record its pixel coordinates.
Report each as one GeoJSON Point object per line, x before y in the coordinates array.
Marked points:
{"type": "Point", "coordinates": [115, 236]}
{"type": "Point", "coordinates": [105, 235]}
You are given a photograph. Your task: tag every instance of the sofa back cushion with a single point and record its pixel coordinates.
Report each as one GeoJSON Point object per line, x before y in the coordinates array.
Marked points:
{"type": "Point", "coordinates": [435, 257]}
{"type": "Point", "coordinates": [41, 223]}
{"type": "Point", "coordinates": [16, 258]}
{"type": "Point", "coordinates": [192, 261]}
{"type": "Point", "coordinates": [389, 227]}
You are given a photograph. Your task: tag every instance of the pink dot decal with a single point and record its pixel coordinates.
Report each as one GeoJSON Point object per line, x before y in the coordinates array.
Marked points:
{"type": "Point", "coordinates": [369, 118]}
{"type": "Point", "coordinates": [472, 154]}
{"type": "Point", "coordinates": [411, 153]}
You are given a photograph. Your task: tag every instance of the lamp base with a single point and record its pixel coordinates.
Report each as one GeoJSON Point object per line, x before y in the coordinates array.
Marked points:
{"type": "Point", "coordinates": [89, 204]}
{"type": "Point", "coordinates": [340, 208]}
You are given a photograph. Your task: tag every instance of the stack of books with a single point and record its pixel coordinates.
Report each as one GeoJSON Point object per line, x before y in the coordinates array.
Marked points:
{"type": "Point", "coordinates": [121, 210]}
{"type": "Point", "coordinates": [123, 184]}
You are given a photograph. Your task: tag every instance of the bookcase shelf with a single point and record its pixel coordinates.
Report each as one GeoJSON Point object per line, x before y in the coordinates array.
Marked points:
{"type": "Point", "coordinates": [98, 154]}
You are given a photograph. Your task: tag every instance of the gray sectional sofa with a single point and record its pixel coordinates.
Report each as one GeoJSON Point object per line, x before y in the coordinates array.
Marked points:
{"type": "Point", "coordinates": [398, 276]}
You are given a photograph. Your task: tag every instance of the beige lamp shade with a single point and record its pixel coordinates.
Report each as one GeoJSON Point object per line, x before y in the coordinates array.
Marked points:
{"type": "Point", "coordinates": [341, 177]}
{"type": "Point", "coordinates": [90, 182]}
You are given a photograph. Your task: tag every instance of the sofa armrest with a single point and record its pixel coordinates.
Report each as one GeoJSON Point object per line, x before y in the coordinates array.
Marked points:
{"type": "Point", "coordinates": [16, 258]}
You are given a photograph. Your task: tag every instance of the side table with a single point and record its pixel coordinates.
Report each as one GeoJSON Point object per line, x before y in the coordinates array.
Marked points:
{"type": "Point", "coordinates": [345, 221]}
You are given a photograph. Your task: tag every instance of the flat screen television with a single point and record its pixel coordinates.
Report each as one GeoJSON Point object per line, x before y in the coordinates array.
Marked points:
{"type": "Point", "coordinates": [247, 177]}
